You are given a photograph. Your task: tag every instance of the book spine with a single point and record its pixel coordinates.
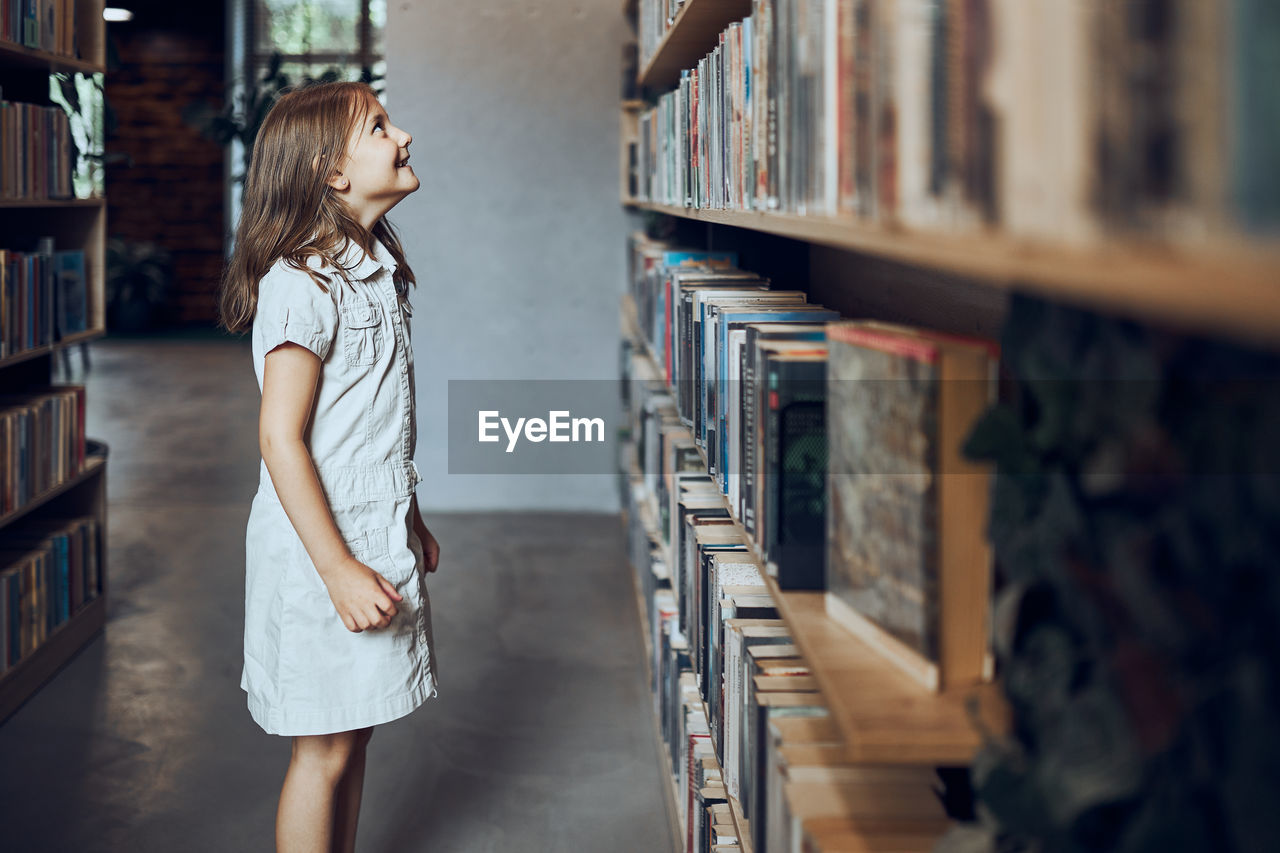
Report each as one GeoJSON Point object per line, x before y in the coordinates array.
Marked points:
{"type": "Point", "coordinates": [750, 438]}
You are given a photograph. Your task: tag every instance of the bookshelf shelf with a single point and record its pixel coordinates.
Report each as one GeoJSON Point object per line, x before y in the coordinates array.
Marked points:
{"type": "Point", "coordinates": [73, 224]}
{"type": "Point", "coordinates": [50, 656]}
{"type": "Point", "coordinates": [692, 35]}
{"type": "Point", "coordinates": [36, 352]}
{"type": "Point", "coordinates": [741, 824]}
{"type": "Point", "coordinates": [25, 57]}
{"type": "Point", "coordinates": [93, 464]}
{"type": "Point", "coordinates": [885, 717]}
{"type": "Point", "coordinates": [52, 202]}
{"type": "Point", "coordinates": [1162, 283]}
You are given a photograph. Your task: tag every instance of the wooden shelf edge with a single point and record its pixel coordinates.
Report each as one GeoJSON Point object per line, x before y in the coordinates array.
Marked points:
{"type": "Point", "coordinates": [36, 352]}
{"type": "Point", "coordinates": [33, 58]}
{"type": "Point", "coordinates": [23, 203]}
{"type": "Point", "coordinates": [740, 824]}
{"type": "Point", "coordinates": [93, 464]}
{"type": "Point", "coordinates": [33, 672]}
{"type": "Point", "coordinates": [909, 724]}
{"type": "Point", "coordinates": [1226, 289]}
{"type": "Point", "coordinates": [692, 35]}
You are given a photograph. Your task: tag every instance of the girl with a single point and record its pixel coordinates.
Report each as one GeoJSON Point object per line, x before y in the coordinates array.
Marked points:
{"type": "Point", "coordinates": [337, 631]}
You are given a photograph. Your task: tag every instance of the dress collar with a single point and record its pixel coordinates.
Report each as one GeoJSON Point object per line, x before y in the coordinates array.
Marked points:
{"type": "Point", "coordinates": [361, 264]}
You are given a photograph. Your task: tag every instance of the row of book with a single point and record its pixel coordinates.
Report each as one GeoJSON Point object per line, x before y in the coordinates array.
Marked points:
{"type": "Point", "coordinates": [744, 725]}
{"type": "Point", "coordinates": [836, 444]}
{"type": "Point", "coordinates": [42, 441]}
{"type": "Point", "coordinates": [49, 569]}
{"type": "Point", "coordinates": [653, 20]}
{"type": "Point", "coordinates": [37, 156]}
{"type": "Point", "coordinates": [44, 296]}
{"type": "Point", "coordinates": [1063, 122]}
{"type": "Point", "coordinates": [48, 25]}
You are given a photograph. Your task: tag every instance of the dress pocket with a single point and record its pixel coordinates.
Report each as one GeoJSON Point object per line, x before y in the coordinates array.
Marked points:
{"type": "Point", "coordinates": [361, 331]}
{"type": "Point", "coordinates": [367, 545]}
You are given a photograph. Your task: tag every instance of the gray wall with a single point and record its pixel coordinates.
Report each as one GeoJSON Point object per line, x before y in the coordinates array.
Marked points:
{"type": "Point", "coordinates": [516, 235]}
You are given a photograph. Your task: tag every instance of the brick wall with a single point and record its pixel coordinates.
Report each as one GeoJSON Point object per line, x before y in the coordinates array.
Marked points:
{"type": "Point", "coordinates": [172, 191]}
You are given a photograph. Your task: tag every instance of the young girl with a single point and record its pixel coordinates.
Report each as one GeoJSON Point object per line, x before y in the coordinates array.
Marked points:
{"type": "Point", "coordinates": [337, 634]}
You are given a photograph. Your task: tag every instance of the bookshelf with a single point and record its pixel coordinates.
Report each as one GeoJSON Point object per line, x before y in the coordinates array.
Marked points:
{"type": "Point", "coordinates": [1152, 281]}
{"type": "Point", "coordinates": [672, 807]}
{"type": "Point", "coordinates": [696, 27]}
{"type": "Point", "coordinates": [677, 832]}
{"type": "Point", "coordinates": [18, 56]}
{"type": "Point", "coordinates": [1149, 278]}
{"type": "Point", "coordinates": [858, 683]}
{"type": "Point", "coordinates": [1212, 281]}
{"type": "Point", "coordinates": [74, 224]}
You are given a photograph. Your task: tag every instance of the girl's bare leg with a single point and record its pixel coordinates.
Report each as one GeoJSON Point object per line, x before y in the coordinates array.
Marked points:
{"type": "Point", "coordinates": [347, 798]}
{"type": "Point", "coordinates": [304, 820]}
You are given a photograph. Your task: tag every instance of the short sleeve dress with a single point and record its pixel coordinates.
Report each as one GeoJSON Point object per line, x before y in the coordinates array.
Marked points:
{"type": "Point", "coordinates": [304, 672]}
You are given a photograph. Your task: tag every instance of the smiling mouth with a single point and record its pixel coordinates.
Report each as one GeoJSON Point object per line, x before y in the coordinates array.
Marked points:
{"type": "Point", "coordinates": [403, 163]}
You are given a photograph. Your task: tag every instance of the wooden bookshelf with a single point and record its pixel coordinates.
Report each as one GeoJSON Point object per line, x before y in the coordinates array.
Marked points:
{"type": "Point", "coordinates": [35, 670]}
{"type": "Point", "coordinates": [884, 715]}
{"type": "Point", "coordinates": [741, 824]}
{"type": "Point", "coordinates": [74, 224]}
{"type": "Point", "coordinates": [1226, 290]}
{"type": "Point", "coordinates": [1216, 286]}
{"type": "Point", "coordinates": [93, 465]}
{"type": "Point", "coordinates": [1219, 289]}
{"type": "Point", "coordinates": [15, 55]}
{"type": "Point", "coordinates": [694, 32]}
{"type": "Point", "coordinates": [36, 352]}
{"type": "Point", "coordinates": [673, 807]}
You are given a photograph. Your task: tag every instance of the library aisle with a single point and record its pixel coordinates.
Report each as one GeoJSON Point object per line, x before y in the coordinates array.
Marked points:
{"type": "Point", "coordinates": [541, 739]}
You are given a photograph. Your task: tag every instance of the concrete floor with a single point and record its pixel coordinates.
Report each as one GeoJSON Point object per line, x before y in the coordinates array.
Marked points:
{"type": "Point", "coordinates": [542, 737]}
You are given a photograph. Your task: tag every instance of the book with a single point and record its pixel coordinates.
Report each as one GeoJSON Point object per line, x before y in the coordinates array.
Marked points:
{"type": "Point", "coordinates": [727, 319]}
{"type": "Point", "coordinates": [745, 447]}
{"type": "Point", "coordinates": [765, 708]}
{"type": "Point", "coordinates": [794, 445]}
{"type": "Point", "coordinates": [71, 293]}
{"type": "Point", "coordinates": [908, 564]}
{"type": "Point", "coordinates": [740, 637]}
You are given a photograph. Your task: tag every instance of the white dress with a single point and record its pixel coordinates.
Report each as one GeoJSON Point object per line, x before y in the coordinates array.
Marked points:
{"type": "Point", "coordinates": [304, 672]}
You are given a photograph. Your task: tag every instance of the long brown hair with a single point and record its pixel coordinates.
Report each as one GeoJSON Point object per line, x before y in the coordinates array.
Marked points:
{"type": "Point", "coordinates": [289, 210]}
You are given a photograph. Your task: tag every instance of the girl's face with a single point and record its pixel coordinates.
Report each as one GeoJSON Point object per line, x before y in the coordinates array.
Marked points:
{"type": "Point", "coordinates": [376, 174]}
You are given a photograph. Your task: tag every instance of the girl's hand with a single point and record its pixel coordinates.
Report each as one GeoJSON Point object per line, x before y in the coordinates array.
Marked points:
{"type": "Point", "coordinates": [362, 597]}
{"type": "Point", "coordinates": [430, 547]}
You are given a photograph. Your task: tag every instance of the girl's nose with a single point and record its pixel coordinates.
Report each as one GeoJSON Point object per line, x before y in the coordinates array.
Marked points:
{"type": "Point", "coordinates": [407, 138]}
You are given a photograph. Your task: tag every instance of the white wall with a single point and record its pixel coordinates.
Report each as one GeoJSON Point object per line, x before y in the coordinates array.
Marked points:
{"type": "Point", "coordinates": [516, 235]}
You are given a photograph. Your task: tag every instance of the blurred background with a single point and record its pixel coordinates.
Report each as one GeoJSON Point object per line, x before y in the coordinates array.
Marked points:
{"type": "Point", "coordinates": [514, 138]}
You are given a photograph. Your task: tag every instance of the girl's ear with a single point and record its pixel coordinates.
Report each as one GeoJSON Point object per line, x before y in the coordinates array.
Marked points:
{"type": "Point", "coordinates": [337, 180]}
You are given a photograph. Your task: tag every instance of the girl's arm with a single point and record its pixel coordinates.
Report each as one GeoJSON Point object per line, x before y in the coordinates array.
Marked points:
{"type": "Point", "coordinates": [289, 380]}
{"type": "Point", "coordinates": [288, 393]}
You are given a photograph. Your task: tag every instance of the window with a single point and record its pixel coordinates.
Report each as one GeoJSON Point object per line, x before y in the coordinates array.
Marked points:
{"type": "Point", "coordinates": [313, 36]}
